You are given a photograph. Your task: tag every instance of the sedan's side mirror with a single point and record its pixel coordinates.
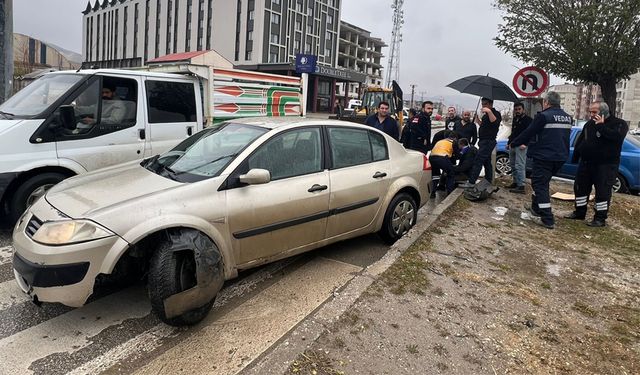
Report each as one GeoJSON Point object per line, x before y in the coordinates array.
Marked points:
{"type": "Point", "coordinates": [68, 117]}
{"type": "Point", "coordinates": [256, 176]}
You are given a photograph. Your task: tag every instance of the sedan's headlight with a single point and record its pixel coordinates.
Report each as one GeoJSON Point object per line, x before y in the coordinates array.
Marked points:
{"type": "Point", "coordinates": [69, 231]}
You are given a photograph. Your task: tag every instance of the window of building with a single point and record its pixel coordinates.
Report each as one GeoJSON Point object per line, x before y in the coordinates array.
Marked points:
{"type": "Point", "coordinates": [273, 57]}
{"type": "Point", "coordinates": [146, 31]}
{"type": "Point", "coordinates": [251, 15]}
{"type": "Point", "coordinates": [175, 26]}
{"type": "Point", "coordinates": [135, 31]}
{"type": "Point", "coordinates": [275, 2]}
{"type": "Point", "coordinates": [209, 26]}
{"type": "Point", "coordinates": [329, 19]}
{"type": "Point", "coordinates": [298, 25]}
{"type": "Point", "coordinates": [275, 18]}
{"type": "Point", "coordinates": [296, 46]}
{"type": "Point", "coordinates": [247, 55]}
{"type": "Point", "coordinates": [307, 48]}
{"type": "Point", "coordinates": [170, 102]}
{"type": "Point", "coordinates": [309, 28]}
{"type": "Point", "coordinates": [250, 35]}
{"type": "Point", "coordinates": [275, 38]}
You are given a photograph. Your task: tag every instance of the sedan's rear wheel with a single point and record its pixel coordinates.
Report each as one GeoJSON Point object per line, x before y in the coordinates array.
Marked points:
{"type": "Point", "coordinates": [401, 216]}
{"type": "Point", "coordinates": [620, 185]}
{"type": "Point", "coordinates": [173, 271]}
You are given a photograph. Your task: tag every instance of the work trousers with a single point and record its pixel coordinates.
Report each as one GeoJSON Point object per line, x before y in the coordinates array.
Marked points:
{"type": "Point", "coordinates": [518, 163]}
{"type": "Point", "coordinates": [483, 159]}
{"type": "Point", "coordinates": [541, 174]}
{"type": "Point", "coordinates": [441, 164]}
{"type": "Point", "coordinates": [600, 175]}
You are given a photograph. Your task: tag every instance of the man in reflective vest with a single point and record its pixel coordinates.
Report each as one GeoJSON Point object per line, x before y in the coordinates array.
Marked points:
{"type": "Point", "coordinates": [552, 128]}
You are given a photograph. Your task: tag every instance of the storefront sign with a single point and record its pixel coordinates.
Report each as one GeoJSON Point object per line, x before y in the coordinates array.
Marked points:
{"type": "Point", "coordinates": [306, 63]}
{"type": "Point", "coordinates": [341, 74]}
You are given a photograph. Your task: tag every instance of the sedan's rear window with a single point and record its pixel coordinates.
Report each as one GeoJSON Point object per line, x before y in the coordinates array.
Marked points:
{"type": "Point", "coordinates": [350, 146]}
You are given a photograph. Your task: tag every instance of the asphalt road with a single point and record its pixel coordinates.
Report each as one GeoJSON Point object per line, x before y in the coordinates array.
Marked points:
{"type": "Point", "coordinates": [116, 332]}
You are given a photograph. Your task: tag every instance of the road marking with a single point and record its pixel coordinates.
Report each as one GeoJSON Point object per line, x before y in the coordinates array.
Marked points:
{"type": "Point", "coordinates": [6, 253]}
{"type": "Point", "coordinates": [11, 294]}
{"type": "Point", "coordinates": [227, 343]}
{"type": "Point", "coordinates": [152, 339]}
{"type": "Point", "coordinates": [69, 332]}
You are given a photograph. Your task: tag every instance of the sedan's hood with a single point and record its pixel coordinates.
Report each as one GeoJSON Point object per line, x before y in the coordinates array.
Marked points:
{"type": "Point", "coordinates": [80, 196]}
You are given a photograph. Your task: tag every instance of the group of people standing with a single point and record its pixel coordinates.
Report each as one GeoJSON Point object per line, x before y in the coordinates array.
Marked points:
{"type": "Point", "coordinates": [544, 139]}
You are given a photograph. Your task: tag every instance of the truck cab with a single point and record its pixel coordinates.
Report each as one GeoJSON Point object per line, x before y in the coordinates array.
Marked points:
{"type": "Point", "coordinates": [67, 123]}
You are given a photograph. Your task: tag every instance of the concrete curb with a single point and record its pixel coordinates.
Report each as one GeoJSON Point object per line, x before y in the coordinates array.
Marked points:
{"type": "Point", "coordinates": [277, 359]}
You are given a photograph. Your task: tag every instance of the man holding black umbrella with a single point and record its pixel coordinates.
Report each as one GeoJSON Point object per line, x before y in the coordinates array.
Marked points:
{"type": "Point", "coordinates": [489, 125]}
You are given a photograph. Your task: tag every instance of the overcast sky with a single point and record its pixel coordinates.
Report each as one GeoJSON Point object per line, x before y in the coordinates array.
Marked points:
{"type": "Point", "coordinates": [443, 40]}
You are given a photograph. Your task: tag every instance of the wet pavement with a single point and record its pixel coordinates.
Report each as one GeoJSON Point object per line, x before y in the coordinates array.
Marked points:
{"type": "Point", "coordinates": [116, 332]}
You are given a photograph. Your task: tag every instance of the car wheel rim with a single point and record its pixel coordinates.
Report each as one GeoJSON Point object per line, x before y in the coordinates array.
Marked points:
{"type": "Point", "coordinates": [502, 165]}
{"type": "Point", "coordinates": [617, 185]}
{"type": "Point", "coordinates": [37, 193]}
{"type": "Point", "coordinates": [403, 218]}
{"type": "Point", "coordinates": [187, 274]}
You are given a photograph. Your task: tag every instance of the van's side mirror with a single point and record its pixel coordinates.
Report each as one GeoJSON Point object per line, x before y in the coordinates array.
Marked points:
{"type": "Point", "coordinates": [67, 117]}
{"type": "Point", "coordinates": [256, 176]}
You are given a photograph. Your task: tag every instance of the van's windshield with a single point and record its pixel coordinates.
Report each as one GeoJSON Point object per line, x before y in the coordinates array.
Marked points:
{"type": "Point", "coordinates": [39, 95]}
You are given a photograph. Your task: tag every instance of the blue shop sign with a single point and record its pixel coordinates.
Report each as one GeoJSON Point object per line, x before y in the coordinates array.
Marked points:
{"type": "Point", "coordinates": [305, 63]}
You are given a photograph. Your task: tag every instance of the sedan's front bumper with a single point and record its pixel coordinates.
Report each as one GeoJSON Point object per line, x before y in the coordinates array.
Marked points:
{"type": "Point", "coordinates": [64, 274]}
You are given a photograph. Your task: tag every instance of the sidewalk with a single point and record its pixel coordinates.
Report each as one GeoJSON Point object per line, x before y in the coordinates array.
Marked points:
{"type": "Point", "coordinates": [483, 291]}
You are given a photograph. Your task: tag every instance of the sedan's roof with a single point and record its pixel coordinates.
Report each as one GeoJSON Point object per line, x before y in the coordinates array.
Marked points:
{"type": "Point", "coordinates": [276, 122]}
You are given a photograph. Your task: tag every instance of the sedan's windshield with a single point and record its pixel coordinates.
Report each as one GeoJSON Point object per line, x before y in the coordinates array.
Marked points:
{"type": "Point", "coordinates": [206, 153]}
{"type": "Point", "coordinates": [39, 95]}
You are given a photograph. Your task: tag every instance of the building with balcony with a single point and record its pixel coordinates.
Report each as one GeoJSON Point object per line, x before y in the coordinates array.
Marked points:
{"type": "Point", "coordinates": [359, 51]}
{"type": "Point", "coordinates": [628, 100]}
{"type": "Point", "coordinates": [568, 97]}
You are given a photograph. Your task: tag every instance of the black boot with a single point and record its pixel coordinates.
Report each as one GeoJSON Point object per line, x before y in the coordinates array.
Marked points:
{"type": "Point", "coordinates": [512, 186]}
{"type": "Point", "coordinates": [575, 216]}
{"type": "Point", "coordinates": [597, 223]}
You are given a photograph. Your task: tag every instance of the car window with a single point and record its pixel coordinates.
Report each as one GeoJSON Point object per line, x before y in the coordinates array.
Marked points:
{"type": "Point", "coordinates": [293, 153]}
{"type": "Point", "coordinates": [378, 146]}
{"type": "Point", "coordinates": [170, 102]}
{"type": "Point", "coordinates": [104, 105]}
{"type": "Point", "coordinates": [576, 138]}
{"type": "Point", "coordinates": [349, 147]}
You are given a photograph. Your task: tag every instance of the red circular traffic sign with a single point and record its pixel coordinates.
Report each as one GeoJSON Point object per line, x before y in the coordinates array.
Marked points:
{"type": "Point", "coordinates": [530, 81]}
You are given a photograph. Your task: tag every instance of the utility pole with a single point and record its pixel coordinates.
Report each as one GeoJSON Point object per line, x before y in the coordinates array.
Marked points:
{"type": "Point", "coordinates": [6, 49]}
{"type": "Point", "coordinates": [393, 64]}
{"type": "Point", "coordinates": [413, 90]}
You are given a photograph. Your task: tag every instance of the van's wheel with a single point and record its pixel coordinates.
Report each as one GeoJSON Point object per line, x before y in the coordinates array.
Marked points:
{"type": "Point", "coordinates": [173, 270]}
{"type": "Point", "coordinates": [29, 191]}
{"type": "Point", "coordinates": [401, 216]}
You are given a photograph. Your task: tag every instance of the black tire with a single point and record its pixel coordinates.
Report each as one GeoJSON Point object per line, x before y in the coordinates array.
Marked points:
{"type": "Point", "coordinates": [172, 272]}
{"type": "Point", "coordinates": [24, 194]}
{"type": "Point", "coordinates": [404, 209]}
{"type": "Point", "coordinates": [503, 167]}
{"type": "Point", "coordinates": [620, 186]}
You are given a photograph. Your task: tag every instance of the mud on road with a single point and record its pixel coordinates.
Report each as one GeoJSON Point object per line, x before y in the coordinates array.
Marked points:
{"type": "Point", "coordinates": [486, 291]}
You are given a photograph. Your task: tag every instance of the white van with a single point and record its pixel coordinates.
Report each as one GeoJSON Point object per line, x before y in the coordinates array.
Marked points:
{"type": "Point", "coordinates": [67, 123]}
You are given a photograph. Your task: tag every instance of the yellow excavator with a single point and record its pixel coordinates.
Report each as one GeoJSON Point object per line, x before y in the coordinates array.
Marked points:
{"type": "Point", "coordinates": [371, 97]}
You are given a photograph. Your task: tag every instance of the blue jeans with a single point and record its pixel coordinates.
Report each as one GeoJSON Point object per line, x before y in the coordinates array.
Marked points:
{"type": "Point", "coordinates": [483, 159]}
{"type": "Point", "coordinates": [518, 163]}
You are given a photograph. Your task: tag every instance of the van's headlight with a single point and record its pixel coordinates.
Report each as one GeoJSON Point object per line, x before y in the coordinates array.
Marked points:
{"type": "Point", "coordinates": [69, 231]}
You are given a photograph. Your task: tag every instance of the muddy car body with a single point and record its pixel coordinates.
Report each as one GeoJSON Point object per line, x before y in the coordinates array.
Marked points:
{"type": "Point", "coordinates": [243, 194]}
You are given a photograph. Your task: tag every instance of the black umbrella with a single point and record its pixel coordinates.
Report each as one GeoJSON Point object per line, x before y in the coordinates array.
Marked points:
{"type": "Point", "coordinates": [485, 86]}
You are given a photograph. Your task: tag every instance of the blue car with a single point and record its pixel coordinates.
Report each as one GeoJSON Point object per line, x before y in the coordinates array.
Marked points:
{"type": "Point", "coordinates": [628, 180]}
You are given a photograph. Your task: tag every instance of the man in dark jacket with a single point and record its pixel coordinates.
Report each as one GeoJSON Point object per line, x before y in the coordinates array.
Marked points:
{"type": "Point", "coordinates": [452, 121]}
{"type": "Point", "coordinates": [552, 128]}
{"type": "Point", "coordinates": [518, 155]}
{"type": "Point", "coordinates": [382, 121]}
{"type": "Point", "coordinates": [467, 156]}
{"type": "Point", "coordinates": [467, 128]}
{"type": "Point", "coordinates": [489, 125]}
{"type": "Point", "coordinates": [415, 134]}
{"type": "Point", "coordinates": [598, 149]}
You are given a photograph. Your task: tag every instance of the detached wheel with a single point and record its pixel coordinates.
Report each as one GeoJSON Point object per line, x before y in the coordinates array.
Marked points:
{"type": "Point", "coordinates": [172, 272]}
{"type": "Point", "coordinates": [401, 216]}
{"type": "Point", "coordinates": [30, 190]}
{"type": "Point", "coordinates": [502, 165]}
{"type": "Point", "coordinates": [620, 185]}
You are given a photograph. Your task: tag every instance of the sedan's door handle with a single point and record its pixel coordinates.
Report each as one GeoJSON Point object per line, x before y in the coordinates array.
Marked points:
{"type": "Point", "coordinates": [317, 187]}
{"type": "Point", "coordinates": [379, 175]}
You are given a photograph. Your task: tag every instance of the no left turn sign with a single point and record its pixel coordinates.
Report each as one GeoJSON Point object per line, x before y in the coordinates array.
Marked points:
{"type": "Point", "coordinates": [530, 81]}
